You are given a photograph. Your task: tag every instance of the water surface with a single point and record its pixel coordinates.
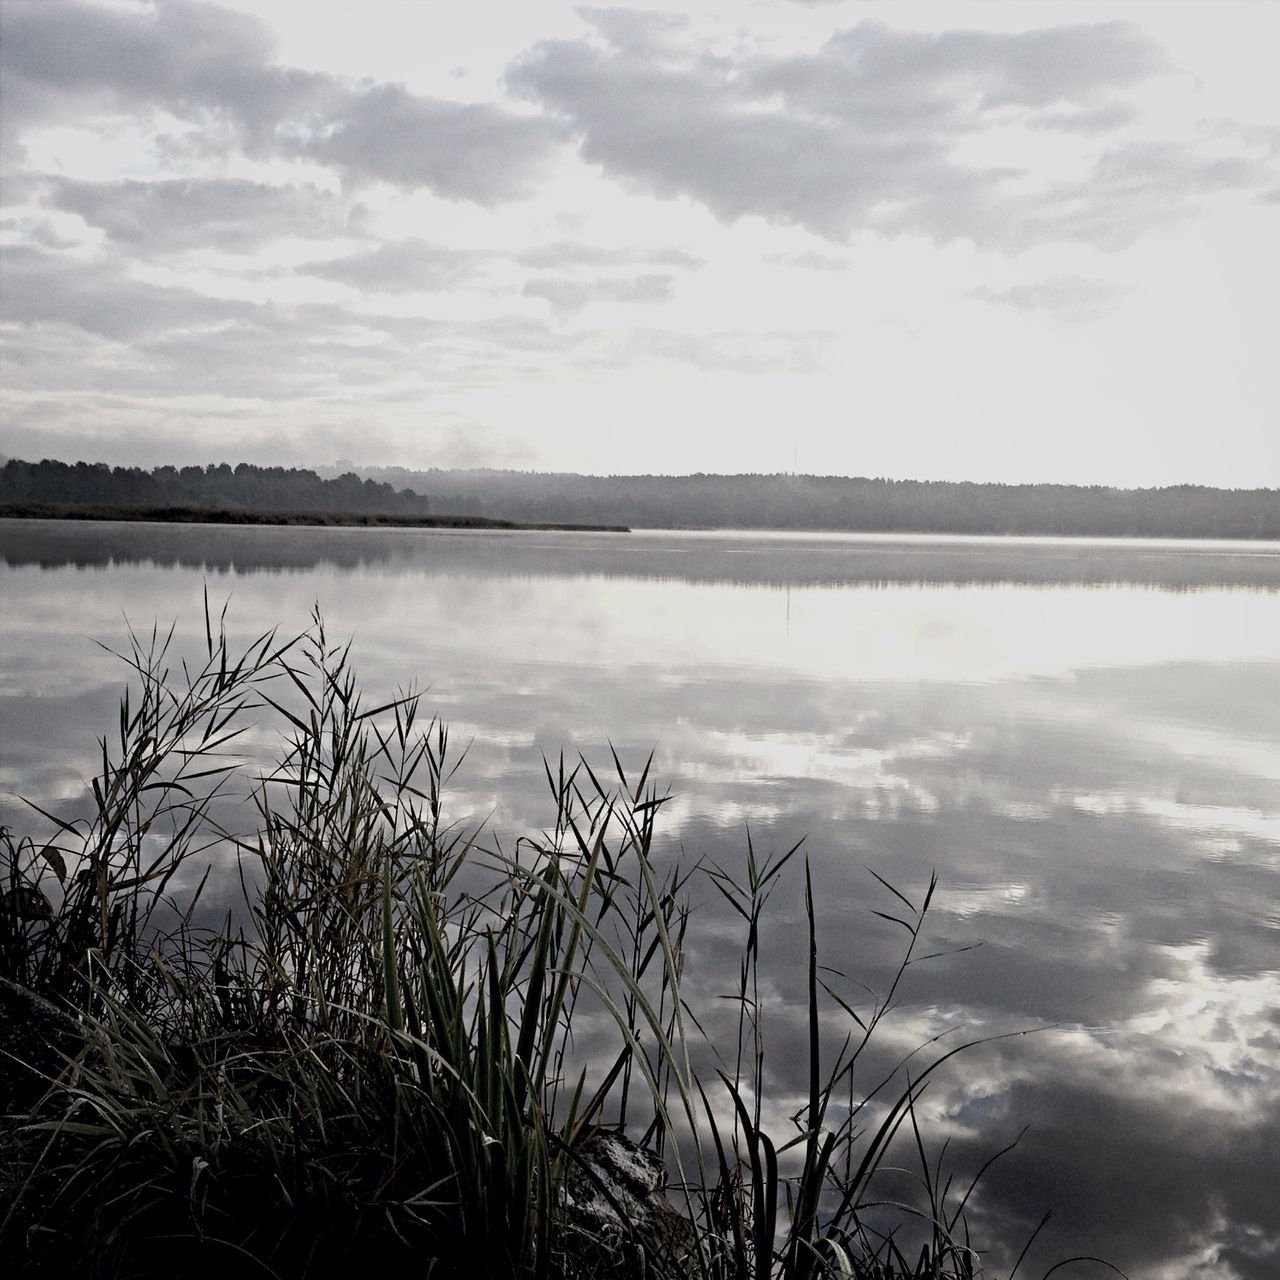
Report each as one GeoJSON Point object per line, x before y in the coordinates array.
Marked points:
{"type": "Point", "coordinates": [1082, 737]}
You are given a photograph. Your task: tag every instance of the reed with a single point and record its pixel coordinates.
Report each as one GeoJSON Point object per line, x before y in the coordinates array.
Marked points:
{"type": "Point", "coordinates": [389, 1054]}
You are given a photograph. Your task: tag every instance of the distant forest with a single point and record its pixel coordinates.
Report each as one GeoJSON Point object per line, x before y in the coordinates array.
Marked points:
{"type": "Point", "coordinates": [842, 503]}
{"type": "Point", "coordinates": [800, 502]}
{"type": "Point", "coordinates": [218, 486]}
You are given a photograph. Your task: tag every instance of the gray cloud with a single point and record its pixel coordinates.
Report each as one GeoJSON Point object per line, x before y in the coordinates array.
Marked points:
{"type": "Point", "coordinates": [809, 260]}
{"type": "Point", "coordinates": [190, 213]}
{"type": "Point", "coordinates": [403, 266]}
{"type": "Point", "coordinates": [872, 72]}
{"type": "Point", "coordinates": [476, 151]}
{"type": "Point", "coordinates": [93, 330]}
{"type": "Point", "coordinates": [520, 333]}
{"type": "Point", "coordinates": [282, 360]}
{"type": "Point", "coordinates": [1133, 187]}
{"type": "Point", "coordinates": [215, 70]}
{"type": "Point", "coordinates": [1114, 1170]}
{"type": "Point", "coordinates": [1069, 297]}
{"type": "Point", "coordinates": [566, 294]}
{"type": "Point", "coordinates": [100, 298]}
{"type": "Point", "coordinates": [1113, 115]}
{"type": "Point", "coordinates": [864, 132]}
{"type": "Point", "coordinates": [205, 65]}
{"type": "Point", "coordinates": [572, 253]}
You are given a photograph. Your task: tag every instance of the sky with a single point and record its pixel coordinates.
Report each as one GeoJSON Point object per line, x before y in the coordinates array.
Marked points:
{"type": "Point", "coordinates": [959, 241]}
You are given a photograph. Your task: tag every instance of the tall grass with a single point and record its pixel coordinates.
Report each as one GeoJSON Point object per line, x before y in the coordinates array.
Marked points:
{"type": "Point", "coordinates": [394, 1050]}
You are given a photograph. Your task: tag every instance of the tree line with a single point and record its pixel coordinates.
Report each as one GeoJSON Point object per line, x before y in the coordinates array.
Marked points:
{"type": "Point", "coordinates": [854, 504]}
{"type": "Point", "coordinates": [701, 501]}
{"type": "Point", "coordinates": [219, 485]}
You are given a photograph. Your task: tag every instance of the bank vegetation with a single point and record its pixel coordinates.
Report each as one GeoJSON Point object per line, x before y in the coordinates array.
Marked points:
{"type": "Point", "coordinates": [393, 1046]}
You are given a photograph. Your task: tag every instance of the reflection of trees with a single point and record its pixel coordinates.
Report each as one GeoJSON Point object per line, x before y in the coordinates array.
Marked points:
{"type": "Point", "coordinates": [778, 563]}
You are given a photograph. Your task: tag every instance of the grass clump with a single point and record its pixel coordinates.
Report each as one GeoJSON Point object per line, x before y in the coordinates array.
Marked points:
{"type": "Point", "coordinates": [394, 1046]}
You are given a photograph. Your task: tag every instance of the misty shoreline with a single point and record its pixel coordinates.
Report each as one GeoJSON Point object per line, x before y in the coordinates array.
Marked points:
{"type": "Point", "coordinates": [317, 519]}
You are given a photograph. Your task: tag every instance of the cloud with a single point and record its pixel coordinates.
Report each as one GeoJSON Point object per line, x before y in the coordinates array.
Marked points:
{"type": "Point", "coordinates": [93, 329]}
{"type": "Point", "coordinates": [1129, 1150]}
{"type": "Point", "coordinates": [59, 59]}
{"type": "Point", "coordinates": [808, 261]}
{"type": "Point", "coordinates": [215, 71]}
{"type": "Point", "coordinates": [403, 266]}
{"type": "Point", "coordinates": [100, 298]}
{"type": "Point", "coordinates": [1134, 186]}
{"type": "Point", "coordinates": [872, 72]}
{"type": "Point", "coordinates": [868, 131]}
{"type": "Point", "coordinates": [572, 253]}
{"type": "Point", "coordinates": [566, 294]}
{"type": "Point", "coordinates": [199, 65]}
{"type": "Point", "coordinates": [1068, 297]}
{"type": "Point", "coordinates": [1113, 115]}
{"type": "Point", "coordinates": [195, 213]}
{"type": "Point", "coordinates": [521, 334]}
{"type": "Point", "coordinates": [475, 151]}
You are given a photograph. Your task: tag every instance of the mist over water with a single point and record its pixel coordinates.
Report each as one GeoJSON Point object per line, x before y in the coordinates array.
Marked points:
{"type": "Point", "coordinates": [1080, 736]}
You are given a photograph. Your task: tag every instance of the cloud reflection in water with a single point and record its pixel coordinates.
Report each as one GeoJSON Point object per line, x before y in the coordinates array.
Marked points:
{"type": "Point", "coordinates": [1080, 738]}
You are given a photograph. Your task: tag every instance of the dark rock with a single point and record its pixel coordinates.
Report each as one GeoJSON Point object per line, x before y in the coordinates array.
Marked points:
{"type": "Point", "coordinates": [619, 1214]}
{"type": "Point", "coordinates": [36, 1038]}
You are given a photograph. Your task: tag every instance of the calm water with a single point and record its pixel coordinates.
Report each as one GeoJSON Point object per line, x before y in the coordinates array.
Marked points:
{"type": "Point", "coordinates": [1083, 738]}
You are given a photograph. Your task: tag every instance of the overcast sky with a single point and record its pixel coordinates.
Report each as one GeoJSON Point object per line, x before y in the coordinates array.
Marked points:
{"type": "Point", "coordinates": [1006, 241]}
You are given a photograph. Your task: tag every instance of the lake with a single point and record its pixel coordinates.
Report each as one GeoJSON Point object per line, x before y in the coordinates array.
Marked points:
{"type": "Point", "coordinates": [1081, 737]}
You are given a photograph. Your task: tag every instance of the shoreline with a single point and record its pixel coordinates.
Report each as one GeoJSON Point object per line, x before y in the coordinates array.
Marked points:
{"type": "Point", "coordinates": [315, 519]}
{"type": "Point", "coordinates": [260, 517]}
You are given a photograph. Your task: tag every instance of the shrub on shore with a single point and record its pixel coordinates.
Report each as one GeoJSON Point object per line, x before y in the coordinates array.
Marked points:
{"type": "Point", "coordinates": [389, 1054]}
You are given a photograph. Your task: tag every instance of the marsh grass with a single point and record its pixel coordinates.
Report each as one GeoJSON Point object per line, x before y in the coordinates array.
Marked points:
{"type": "Point", "coordinates": [393, 1053]}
